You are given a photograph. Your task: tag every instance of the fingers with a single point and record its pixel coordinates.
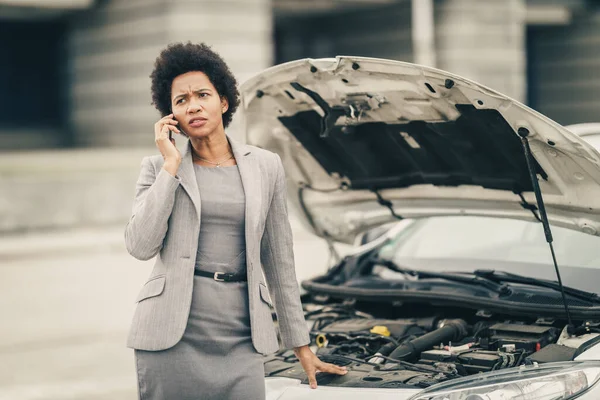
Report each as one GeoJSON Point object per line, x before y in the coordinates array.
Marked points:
{"type": "Point", "coordinates": [323, 367]}
{"type": "Point", "coordinates": [163, 134]}
{"type": "Point", "coordinates": [169, 119]}
{"type": "Point", "coordinates": [332, 368]}
{"type": "Point", "coordinates": [173, 128]}
{"type": "Point", "coordinates": [312, 379]}
{"type": "Point", "coordinates": [165, 128]}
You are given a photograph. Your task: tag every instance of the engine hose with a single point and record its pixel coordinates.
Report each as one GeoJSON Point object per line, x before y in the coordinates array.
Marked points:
{"type": "Point", "coordinates": [383, 351]}
{"type": "Point", "coordinates": [451, 330]}
{"type": "Point", "coordinates": [364, 338]}
{"type": "Point", "coordinates": [351, 347]}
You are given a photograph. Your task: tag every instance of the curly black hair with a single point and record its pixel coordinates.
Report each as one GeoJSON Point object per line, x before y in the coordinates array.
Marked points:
{"type": "Point", "coordinates": [179, 58]}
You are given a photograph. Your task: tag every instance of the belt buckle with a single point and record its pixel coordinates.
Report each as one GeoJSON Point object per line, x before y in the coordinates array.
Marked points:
{"type": "Point", "coordinates": [216, 276]}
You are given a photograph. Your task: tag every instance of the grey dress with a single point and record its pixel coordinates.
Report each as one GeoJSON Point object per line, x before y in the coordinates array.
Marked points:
{"type": "Point", "coordinates": [215, 359]}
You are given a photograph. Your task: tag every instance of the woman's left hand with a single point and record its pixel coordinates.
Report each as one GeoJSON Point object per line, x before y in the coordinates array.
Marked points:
{"type": "Point", "coordinates": [311, 364]}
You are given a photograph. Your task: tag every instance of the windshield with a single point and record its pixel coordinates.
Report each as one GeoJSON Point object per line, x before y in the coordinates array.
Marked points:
{"type": "Point", "coordinates": [465, 243]}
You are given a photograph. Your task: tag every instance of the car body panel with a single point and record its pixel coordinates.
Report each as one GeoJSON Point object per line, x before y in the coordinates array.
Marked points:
{"type": "Point", "coordinates": [292, 389]}
{"type": "Point", "coordinates": [585, 128]}
{"type": "Point", "coordinates": [590, 131]}
{"type": "Point", "coordinates": [284, 389]}
{"type": "Point", "coordinates": [591, 354]}
{"type": "Point", "coordinates": [417, 110]}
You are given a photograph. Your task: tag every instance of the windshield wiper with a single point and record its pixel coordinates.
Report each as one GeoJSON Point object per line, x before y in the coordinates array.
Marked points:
{"type": "Point", "coordinates": [503, 276]}
{"type": "Point", "coordinates": [491, 279]}
{"type": "Point", "coordinates": [453, 277]}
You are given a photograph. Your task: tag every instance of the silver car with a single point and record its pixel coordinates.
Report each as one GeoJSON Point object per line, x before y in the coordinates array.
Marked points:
{"type": "Point", "coordinates": [476, 271]}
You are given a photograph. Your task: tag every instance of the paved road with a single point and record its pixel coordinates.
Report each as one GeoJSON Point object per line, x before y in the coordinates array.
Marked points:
{"type": "Point", "coordinates": [66, 312]}
{"type": "Point", "coordinates": [67, 320]}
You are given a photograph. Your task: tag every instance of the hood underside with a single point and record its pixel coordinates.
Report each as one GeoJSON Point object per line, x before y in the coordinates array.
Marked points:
{"type": "Point", "coordinates": [359, 137]}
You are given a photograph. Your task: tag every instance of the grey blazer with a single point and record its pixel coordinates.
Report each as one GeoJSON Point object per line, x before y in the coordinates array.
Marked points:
{"type": "Point", "coordinates": [165, 222]}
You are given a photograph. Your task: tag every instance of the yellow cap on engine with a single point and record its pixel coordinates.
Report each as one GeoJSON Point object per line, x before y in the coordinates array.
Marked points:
{"type": "Point", "coordinates": [321, 340]}
{"type": "Point", "coordinates": [381, 330]}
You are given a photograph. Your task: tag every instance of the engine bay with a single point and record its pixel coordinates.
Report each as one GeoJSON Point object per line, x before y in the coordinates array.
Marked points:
{"type": "Point", "coordinates": [420, 350]}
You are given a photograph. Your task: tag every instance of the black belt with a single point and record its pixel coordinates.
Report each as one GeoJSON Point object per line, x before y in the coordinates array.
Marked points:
{"type": "Point", "coordinates": [221, 276]}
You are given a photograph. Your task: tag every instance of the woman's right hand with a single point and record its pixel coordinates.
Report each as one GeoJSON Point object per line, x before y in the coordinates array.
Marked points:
{"type": "Point", "coordinates": [161, 136]}
{"type": "Point", "coordinates": [167, 147]}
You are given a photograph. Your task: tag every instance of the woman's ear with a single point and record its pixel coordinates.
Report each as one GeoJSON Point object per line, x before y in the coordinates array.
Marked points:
{"type": "Point", "coordinates": [224, 105]}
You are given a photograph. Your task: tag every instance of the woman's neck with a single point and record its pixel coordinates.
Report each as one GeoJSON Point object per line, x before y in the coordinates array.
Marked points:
{"type": "Point", "coordinates": [211, 147]}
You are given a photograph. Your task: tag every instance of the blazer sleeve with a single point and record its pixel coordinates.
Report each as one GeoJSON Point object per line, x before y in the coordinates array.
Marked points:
{"type": "Point", "coordinates": [277, 257]}
{"type": "Point", "coordinates": [152, 206]}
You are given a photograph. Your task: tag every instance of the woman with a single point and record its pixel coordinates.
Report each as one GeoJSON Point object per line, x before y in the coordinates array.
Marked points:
{"type": "Point", "coordinates": [213, 216]}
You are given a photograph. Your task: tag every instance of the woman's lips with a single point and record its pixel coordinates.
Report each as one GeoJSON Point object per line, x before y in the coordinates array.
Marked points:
{"type": "Point", "coordinates": [195, 123]}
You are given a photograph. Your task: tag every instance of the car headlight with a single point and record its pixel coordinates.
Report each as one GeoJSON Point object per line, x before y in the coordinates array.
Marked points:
{"type": "Point", "coordinates": [562, 380]}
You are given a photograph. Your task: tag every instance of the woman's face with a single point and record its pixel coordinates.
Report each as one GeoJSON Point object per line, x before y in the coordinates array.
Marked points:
{"type": "Point", "coordinates": [197, 105]}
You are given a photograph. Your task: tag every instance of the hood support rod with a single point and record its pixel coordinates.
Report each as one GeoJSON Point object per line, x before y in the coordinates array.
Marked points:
{"type": "Point", "coordinates": [529, 207]}
{"type": "Point", "coordinates": [386, 203]}
{"type": "Point", "coordinates": [524, 133]}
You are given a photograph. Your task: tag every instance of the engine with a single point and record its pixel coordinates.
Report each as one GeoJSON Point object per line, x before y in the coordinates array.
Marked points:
{"type": "Point", "coordinates": [422, 351]}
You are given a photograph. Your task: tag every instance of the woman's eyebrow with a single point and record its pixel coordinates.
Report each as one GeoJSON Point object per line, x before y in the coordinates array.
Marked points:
{"type": "Point", "coordinates": [179, 96]}
{"type": "Point", "coordinates": [195, 91]}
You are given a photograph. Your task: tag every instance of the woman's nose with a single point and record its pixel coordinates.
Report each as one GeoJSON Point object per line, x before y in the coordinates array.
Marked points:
{"type": "Point", "coordinates": [194, 106]}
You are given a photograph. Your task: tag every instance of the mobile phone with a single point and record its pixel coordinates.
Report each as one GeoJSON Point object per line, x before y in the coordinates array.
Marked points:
{"type": "Point", "coordinates": [170, 131]}
{"type": "Point", "coordinates": [178, 127]}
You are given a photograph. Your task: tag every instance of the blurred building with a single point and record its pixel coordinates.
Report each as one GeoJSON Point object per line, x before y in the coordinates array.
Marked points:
{"type": "Point", "coordinates": [74, 74]}
{"type": "Point", "coordinates": [77, 74]}
{"type": "Point", "coordinates": [545, 53]}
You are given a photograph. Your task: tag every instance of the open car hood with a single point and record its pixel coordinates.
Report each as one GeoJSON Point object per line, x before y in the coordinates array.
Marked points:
{"type": "Point", "coordinates": [430, 142]}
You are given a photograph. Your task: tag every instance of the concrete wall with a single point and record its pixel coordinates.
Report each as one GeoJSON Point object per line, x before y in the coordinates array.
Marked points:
{"type": "Point", "coordinates": [55, 189]}
{"type": "Point", "coordinates": [483, 41]}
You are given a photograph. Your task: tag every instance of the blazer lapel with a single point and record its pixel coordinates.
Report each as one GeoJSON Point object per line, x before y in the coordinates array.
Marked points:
{"type": "Point", "coordinates": [251, 182]}
{"type": "Point", "coordinates": [188, 177]}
